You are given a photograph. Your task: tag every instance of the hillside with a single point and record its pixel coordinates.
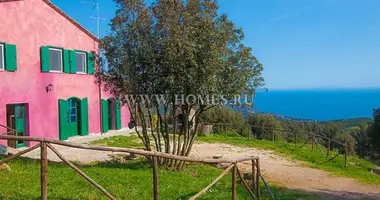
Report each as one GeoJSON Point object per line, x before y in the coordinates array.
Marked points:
{"type": "Point", "coordinates": [353, 121]}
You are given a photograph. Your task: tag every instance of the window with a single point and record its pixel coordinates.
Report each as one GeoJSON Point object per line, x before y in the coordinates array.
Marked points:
{"type": "Point", "coordinates": [19, 113]}
{"type": "Point", "coordinates": [71, 111]}
{"type": "Point", "coordinates": [55, 58]}
{"type": "Point", "coordinates": [81, 62]}
{"type": "Point", "coordinates": [2, 57]}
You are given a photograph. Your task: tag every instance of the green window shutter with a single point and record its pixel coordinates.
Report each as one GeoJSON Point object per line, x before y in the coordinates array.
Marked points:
{"type": "Point", "coordinates": [84, 116]}
{"type": "Point", "coordinates": [117, 114]}
{"type": "Point", "coordinates": [104, 116]}
{"type": "Point", "coordinates": [90, 63]}
{"type": "Point", "coordinates": [63, 126]}
{"type": "Point", "coordinates": [66, 61]}
{"type": "Point", "coordinates": [10, 57]}
{"type": "Point", "coordinates": [45, 59]}
{"type": "Point", "coordinates": [73, 62]}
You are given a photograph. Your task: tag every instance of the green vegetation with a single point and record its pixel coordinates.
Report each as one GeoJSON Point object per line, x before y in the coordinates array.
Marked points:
{"type": "Point", "coordinates": [229, 121]}
{"type": "Point", "coordinates": [357, 168]}
{"type": "Point", "coordinates": [361, 135]}
{"type": "Point", "coordinates": [353, 122]}
{"type": "Point", "coordinates": [132, 180]}
{"type": "Point", "coordinates": [175, 48]}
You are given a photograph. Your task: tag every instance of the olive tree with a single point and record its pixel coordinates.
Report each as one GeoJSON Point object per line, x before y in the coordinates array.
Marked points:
{"type": "Point", "coordinates": [174, 48]}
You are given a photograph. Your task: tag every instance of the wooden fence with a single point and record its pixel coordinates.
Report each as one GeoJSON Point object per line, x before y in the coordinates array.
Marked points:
{"type": "Point", "coordinates": [313, 138]}
{"type": "Point", "coordinates": [44, 144]}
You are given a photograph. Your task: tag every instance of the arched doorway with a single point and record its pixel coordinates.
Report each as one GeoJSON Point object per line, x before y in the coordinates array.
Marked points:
{"type": "Point", "coordinates": [73, 117]}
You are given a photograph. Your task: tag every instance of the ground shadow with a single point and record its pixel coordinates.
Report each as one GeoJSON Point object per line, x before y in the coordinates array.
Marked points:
{"type": "Point", "coordinates": [345, 195]}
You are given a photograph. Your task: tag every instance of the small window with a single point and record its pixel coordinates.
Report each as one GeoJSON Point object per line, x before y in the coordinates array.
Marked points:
{"type": "Point", "coordinates": [55, 57]}
{"type": "Point", "coordinates": [71, 111]}
{"type": "Point", "coordinates": [81, 62]}
{"type": "Point", "coordinates": [19, 113]}
{"type": "Point", "coordinates": [2, 57]}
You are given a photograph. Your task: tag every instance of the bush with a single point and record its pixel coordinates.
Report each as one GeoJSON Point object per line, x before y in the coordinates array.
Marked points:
{"type": "Point", "coordinates": [264, 126]}
{"type": "Point", "coordinates": [225, 120]}
{"type": "Point", "coordinates": [347, 138]}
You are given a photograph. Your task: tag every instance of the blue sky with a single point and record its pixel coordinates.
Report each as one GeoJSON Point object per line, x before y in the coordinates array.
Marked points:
{"type": "Point", "coordinates": [302, 43]}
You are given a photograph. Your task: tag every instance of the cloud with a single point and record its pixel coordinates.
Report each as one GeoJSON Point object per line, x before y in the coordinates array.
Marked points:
{"type": "Point", "coordinates": [288, 14]}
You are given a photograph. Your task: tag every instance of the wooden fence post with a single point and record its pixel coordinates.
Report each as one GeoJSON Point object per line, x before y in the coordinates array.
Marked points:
{"type": "Point", "coordinates": [44, 169]}
{"type": "Point", "coordinates": [155, 178]}
{"type": "Point", "coordinates": [253, 176]}
{"type": "Point", "coordinates": [312, 143]}
{"type": "Point", "coordinates": [328, 147]}
{"type": "Point", "coordinates": [258, 178]}
{"type": "Point", "coordinates": [295, 138]}
{"type": "Point", "coordinates": [234, 171]}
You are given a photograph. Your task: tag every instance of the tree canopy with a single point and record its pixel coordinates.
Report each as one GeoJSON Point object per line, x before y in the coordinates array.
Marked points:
{"type": "Point", "coordinates": [175, 47]}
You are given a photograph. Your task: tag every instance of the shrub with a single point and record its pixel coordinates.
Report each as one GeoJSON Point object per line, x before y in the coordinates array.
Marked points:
{"type": "Point", "coordinates": [224, 120]}
{"type": "Point", "coordinates": [265, 126]}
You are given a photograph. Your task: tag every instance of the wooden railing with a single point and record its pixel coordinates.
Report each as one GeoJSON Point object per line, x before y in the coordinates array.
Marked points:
{"type": "Point", "coordinates": [44, 144]}
{"type": "Point", "coordinates": [311, 137]}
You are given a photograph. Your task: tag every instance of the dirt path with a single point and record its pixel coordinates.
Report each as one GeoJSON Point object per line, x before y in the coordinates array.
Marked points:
{"type": "Point", "coordinates": [291, 174]}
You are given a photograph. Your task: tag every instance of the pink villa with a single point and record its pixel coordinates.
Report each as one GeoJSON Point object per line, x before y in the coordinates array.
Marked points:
{"type": "Point", "coordinates": [47, 83]}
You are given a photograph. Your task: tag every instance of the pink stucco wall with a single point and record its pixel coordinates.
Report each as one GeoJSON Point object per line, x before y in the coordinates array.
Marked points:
{"type": "Point", "coordinates": [31, 24]}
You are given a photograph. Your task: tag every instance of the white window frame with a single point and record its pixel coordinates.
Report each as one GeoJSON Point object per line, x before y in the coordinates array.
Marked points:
{"type": "Point", "coordinates": [61, 51]}
{"type": "Point", "coordinates": [3, 56]}
{"type": "Point", "coordinates": [85, 62]}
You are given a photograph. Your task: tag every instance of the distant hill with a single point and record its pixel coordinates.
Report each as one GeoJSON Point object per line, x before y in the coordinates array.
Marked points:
{"type": "Point", "coordinates": [353, 121]}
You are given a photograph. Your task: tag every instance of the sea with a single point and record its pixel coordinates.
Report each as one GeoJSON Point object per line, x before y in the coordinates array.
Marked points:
{"type": "Point", "coordinates": [319, 104]}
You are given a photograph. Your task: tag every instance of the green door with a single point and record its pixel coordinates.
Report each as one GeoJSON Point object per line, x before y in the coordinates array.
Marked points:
{"type": "Point", "coordinates": [117, 114]}
{"type": "Point", "coordinates": [63, 119]}
{"type": "Point", "coordinates": [83, 117]}
{"type": "Point", "coordinates": [110, 110]}
{"type": "Point", "coordinates": [105, 121]}
{"type": "Point", "coordinates": [20, 124]}
{"type": "Point", "coordinates": [72, 117]}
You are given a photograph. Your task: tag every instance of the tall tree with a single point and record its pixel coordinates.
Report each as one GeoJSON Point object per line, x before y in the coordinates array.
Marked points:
{"type": "Point", "coordinates": [176, 47]}
{"type": "Point", "coordinates": [374, 132]}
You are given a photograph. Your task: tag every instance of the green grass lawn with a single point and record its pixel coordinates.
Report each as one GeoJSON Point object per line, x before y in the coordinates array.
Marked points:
{"type": "Point", "coordinates": [132, 180]}
{"type": "Point", "coordinates": [357, 168]}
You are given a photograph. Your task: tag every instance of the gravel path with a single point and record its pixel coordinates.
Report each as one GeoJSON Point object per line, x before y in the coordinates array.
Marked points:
{"type": "Point", "coordinates": [291, 174]}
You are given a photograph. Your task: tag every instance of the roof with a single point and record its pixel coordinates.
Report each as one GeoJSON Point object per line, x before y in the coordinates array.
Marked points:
{"type": "Point", "coordinates": [57, 9]}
